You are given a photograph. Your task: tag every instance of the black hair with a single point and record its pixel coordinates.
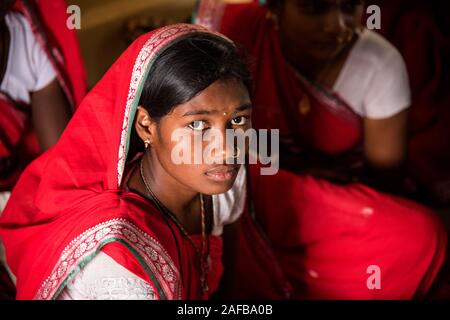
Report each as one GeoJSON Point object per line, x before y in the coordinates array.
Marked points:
{"type": "Point", "coordinates": [188, 67]}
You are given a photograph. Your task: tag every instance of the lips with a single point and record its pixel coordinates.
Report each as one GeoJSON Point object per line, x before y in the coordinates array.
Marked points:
{"type": "Point", "coordinates": [328, 45]}
{"type": "Point", "coordinates": [222, 173]}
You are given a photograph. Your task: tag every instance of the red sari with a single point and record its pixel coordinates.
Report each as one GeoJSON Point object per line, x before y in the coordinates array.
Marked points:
{"type": "Point", "coordinates": [311, 239]}
{"type": "Point", "coordinates": [69, 204]}
{"type": "Point", "coordinates": [324, 236]}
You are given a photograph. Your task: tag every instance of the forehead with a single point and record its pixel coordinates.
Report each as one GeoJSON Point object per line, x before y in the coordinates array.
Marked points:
{"type": "Point", "coordinates": [222, 95]}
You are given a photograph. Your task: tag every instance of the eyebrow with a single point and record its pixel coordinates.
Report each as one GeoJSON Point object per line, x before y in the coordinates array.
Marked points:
{"type": "Point", "coordinates": [210, 112]}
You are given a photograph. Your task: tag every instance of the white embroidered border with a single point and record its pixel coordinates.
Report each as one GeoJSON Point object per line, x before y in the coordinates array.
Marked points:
{"type": "Point", "coordinates": [158, 260]}
{"type": "Point", "coordinates": [147, 53]}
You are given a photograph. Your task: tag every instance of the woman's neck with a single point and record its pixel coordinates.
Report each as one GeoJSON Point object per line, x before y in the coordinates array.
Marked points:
{"type": "Point", "coordinates": [322, 72]}
{"type": "Point", "coordinates": [181, 201]}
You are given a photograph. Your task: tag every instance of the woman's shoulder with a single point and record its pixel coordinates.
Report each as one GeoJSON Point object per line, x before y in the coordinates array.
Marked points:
{"type": "Point", "coordinates": [375, 49]}
{"type": "Point", "coordinates": [18, 24]}
{"type": "Point", "coordinates": [16, 18]}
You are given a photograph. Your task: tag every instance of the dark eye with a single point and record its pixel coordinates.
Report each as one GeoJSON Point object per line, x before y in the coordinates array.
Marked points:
{"type": "Point", "coordinates": [239, 121]}
{"type": "Point", "coordinates": [350, 6]}
{"type": "Point", "coordinates": [314, 7]}
{"type": "Point", "coordinates": [197, 125]}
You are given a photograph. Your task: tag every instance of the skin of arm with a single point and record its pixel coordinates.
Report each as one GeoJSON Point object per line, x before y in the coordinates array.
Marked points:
{"type": "Point", "coordinates": [51, 113]}
{"type": "Point", "coordinates": [385, 148]}
{"type": "Point", "coordinates": [385, 140]}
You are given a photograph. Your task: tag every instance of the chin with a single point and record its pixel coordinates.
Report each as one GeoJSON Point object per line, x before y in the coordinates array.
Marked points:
{"type": "Point", "coordinates": [326, 53]}
{"type": "Point", "coordinates": [220, 180]}
{"type": "Point", "coordinates": [214, 188]}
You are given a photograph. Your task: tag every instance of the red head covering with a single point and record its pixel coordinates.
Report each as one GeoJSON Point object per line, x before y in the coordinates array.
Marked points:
{"type": "Point", "coordinates": [70, 198]}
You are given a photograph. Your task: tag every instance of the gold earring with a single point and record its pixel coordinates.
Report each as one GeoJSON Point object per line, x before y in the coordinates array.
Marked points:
{"type": "Point", "coordinates": [147, 143]}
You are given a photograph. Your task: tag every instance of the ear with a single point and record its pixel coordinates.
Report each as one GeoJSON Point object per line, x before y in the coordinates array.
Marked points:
{"type": "Point", "coordinates": [144, 125]}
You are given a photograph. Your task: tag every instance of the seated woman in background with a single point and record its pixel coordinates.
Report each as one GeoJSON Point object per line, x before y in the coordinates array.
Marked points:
{"type": "Point", "coordinates": [108, 202]}
{"type": "Point", "coordinates": [339, 95]}
{"type": "Point", "coordinates": [41, 81]}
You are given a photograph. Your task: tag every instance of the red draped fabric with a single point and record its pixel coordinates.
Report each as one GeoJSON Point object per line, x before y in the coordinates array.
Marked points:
{"type": "Point", "coordinates": [312, 239]}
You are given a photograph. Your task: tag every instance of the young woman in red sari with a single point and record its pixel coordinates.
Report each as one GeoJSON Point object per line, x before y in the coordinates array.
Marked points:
{"type": "Point", "coordinates": [324, 234]}
{"type": "Point", "coordinates": [106, 213]}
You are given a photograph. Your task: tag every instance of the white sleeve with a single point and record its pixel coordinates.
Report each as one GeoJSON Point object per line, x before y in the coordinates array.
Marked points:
{"type": "Point", "coordinates": [104, 279]}
{"type": "Point", "coordinates": [40, 65]}
{"type": "Point", "coordinates": [229, 206]}
{"type": "Point", "coordinates": [389, 91]}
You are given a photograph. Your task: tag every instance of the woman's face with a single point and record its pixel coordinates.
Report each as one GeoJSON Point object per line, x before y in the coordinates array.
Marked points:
{"type": "Point", "coordinates": [225, 104]}
{"type": "Point", "coordinates": [319, 29]}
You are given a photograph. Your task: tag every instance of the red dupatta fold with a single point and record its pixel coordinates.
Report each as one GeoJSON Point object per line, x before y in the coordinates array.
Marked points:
{"type": "Point", "coordinates": [68, 204]}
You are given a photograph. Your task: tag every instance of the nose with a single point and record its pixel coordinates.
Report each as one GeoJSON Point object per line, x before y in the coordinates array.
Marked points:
{"type": "Point", "coordinates": [223, 148]}
{"type": "Point", "coordinates": [334, 22]}
{"type": "Point", "coordinates": [230, 149]}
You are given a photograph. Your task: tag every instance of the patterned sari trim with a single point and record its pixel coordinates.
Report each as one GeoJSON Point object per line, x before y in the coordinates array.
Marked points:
{"type": "Point", "coordinates": [149, 252]}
